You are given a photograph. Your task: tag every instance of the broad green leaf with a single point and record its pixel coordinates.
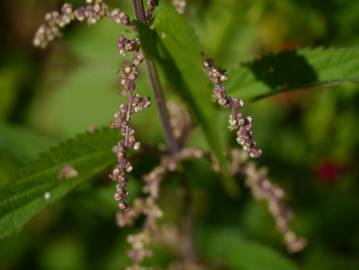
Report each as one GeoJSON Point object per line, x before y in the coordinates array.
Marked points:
{"type": "Point", "coordinates": [24, 197]}
{"type": "Point", "coordinates": [179, 55]}
{"type": "Point", "coordinates": [291, 70]}
{"type": "Point", "coordinates": [232, 249]}
{"type": "Point", "coordinates": [7, 167]}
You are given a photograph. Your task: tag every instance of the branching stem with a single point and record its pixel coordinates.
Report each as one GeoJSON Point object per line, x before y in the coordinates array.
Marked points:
{"type": "Point", "coordinates": [157, 88]}
{"type": "Point", "coordinates": [189, 252]}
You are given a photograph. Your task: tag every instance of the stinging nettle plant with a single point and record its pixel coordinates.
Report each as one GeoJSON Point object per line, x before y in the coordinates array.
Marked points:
{"type": "Point", "coordinates": [156, 45]}
{"type": "Point", "coordinates": [259, 183]}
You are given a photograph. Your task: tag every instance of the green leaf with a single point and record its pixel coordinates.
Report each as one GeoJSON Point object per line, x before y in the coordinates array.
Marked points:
{"type": "Point", "coordinates": [89, 154]}
{"type": "Point", "coordinates": [7, 167]}
{"type": "Point", "coordinates": [291, 70]}
{"type": "Point", "coordinates": [178, 52]}
{"type": "Point", "coordinates": [231, 248]}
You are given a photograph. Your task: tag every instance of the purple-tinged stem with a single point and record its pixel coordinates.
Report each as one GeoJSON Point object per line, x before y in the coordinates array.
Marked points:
{"type": "Point", "coordinates": [128, 118]}
{"type": "Point", "coordinates": [157, 88]}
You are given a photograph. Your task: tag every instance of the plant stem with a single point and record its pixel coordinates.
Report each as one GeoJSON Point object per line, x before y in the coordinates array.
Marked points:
{"type": "Point", "coordinates": [139, 11]}
{"type": "Point", "coordinates": [128, 118]}
{"type": "Point", "coordinates": [161, 105]}
{"type": "Point", "coordinates": [157, 88]}
{"type": "Point", "coordinates": [188, 249]}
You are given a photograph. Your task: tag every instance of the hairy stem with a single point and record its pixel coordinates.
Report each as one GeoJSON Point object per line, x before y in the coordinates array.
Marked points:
{"type": "Point", "coordinates": [139, 10]}
{"type": "Point", "coordinates": [157, 88]}
{"type": "Point", "coordinates": [161, 104]}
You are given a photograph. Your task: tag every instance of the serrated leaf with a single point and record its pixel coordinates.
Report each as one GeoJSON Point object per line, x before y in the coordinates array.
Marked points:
{"type": "Point", "coordinates": [231, 248]}
{"type": "Point", "coordinates": [179, 55]}
{"type": "Point", "coordinates": [7, 167]}
{"type": "Point", "coordinates": [291, 70]}
{"type": "Point", "coordinates": [89, 154]}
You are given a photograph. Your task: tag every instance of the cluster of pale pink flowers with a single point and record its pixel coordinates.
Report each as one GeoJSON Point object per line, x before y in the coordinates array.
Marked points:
{"type": "Point", "coordinates": [92, 13]}
{"type": "Point", "coordinates": [148, 205]}
{"type": "Point", "coordinates": [149, 208]}
{"type": "Point", "coordinates": [263, 189]}
{"type": "Point", "coordinates": [237, 122]}
{"type": "Point", "coordinates": [256, 179]}
{"type": "Point", "coordinates": [122, 118]}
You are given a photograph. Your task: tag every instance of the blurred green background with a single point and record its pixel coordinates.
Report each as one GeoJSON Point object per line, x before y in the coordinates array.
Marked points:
{"type": "Point", "coordinates": [310, 138]}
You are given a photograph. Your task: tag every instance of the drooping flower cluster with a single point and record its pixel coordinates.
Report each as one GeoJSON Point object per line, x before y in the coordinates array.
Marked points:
{"type": "Point", "coordinates": [263, 189]}
{"type": "Point", "coordinates": [135, 103]}
{"type": "Point", "coordinates": [55, 21]}
{"type": "Point", "coordinates": [148, 206]}
{"type": "Point", "coordinates": [153, 179]}
{"type": "Point", "coordinates": [237, 122]}
{"type": "Point", "coordinates": [92, 13]}
{"type": "Point", "coordinates": [139, 251]}
{"type": "Point", "coordinates": [256, 179]}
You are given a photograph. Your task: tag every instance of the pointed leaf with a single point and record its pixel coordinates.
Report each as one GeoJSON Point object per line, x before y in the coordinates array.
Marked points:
{"type": "Point", "coordinates": [291, 70]}
{"type": "Point", "coordinates": [38, 185]}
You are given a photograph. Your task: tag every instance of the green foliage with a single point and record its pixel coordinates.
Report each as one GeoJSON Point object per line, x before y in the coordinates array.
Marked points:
{"type": "Point", "coordinates": [7, 166]}
{"type": "Point", "coordinates": [24, 197]}
{"type": "Point", "coordinates": [232, 249]}
{"type": "Point", "coordinates": [292, 70]}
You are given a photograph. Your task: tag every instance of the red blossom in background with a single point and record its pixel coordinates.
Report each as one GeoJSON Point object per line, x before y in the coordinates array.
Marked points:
{"type": "Point", "coordinates": [328, 171]}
